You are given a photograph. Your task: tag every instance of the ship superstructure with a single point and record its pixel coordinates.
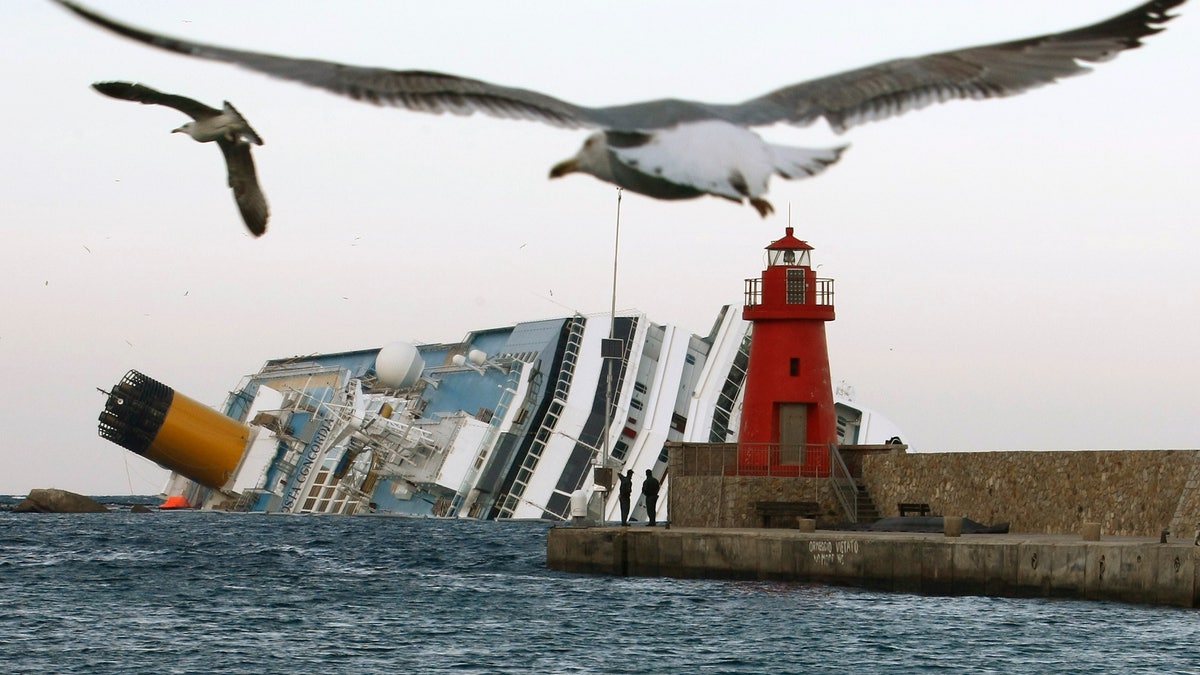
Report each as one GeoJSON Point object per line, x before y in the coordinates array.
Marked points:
{"type": "Point", "coordinates": [509, 422]}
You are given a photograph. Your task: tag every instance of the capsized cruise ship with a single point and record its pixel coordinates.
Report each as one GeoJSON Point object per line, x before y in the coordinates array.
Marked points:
{"type": "Point", "coordinates": [507, 423]}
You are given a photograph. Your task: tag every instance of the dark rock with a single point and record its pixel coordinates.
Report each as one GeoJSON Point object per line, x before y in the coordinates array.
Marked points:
{"type": "Point", "coordinates": [140, 508]}
{"type": "Point", "coordinates": [51, 500]}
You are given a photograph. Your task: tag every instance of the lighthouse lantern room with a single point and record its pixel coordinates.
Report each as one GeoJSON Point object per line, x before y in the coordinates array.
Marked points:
{"type": "Point", "coordinates": [788, 419]}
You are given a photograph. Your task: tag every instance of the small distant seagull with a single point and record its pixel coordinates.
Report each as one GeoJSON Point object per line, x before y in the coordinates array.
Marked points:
{"type": "Point", "coordinates": [678, 149]}
{"type": "Point", "coordinates": [227, 127]}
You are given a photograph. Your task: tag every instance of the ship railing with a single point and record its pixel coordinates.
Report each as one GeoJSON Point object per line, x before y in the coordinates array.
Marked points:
{"type": "Point", "coordinates": [356, 501]}
{"type": "Point", "coordinates": [247, 498]}
{"type": "Point", "coordinates": [509, 389]}
{"type": "Point", "coordinates": [516, 491]}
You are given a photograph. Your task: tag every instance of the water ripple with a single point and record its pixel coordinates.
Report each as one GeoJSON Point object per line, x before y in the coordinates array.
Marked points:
{"type": "Point", "coordinates": [204, 592]}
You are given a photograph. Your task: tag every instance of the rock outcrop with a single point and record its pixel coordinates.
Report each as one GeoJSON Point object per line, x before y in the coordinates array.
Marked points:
{"type": "Point", "coordinates": [51, 500]}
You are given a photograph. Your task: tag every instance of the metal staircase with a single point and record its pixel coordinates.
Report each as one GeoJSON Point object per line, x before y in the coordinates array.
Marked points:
{"type": "Point", "coordinates": [566, 374]}
{"type": "Point", "coordinates": [856, 502]}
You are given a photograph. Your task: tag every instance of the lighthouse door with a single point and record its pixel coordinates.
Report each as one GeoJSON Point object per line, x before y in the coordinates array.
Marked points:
{"type": "Point", "coordinates": [793, 432]}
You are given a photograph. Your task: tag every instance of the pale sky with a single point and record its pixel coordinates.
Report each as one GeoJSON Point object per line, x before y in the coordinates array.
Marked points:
{"type": "Point", "coordinates": [1011, 274]}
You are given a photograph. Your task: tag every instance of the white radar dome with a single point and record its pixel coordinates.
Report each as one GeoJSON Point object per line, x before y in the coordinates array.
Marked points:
{"type": "Point", "coordinates": [399, 364]}
{"type": "Point", "coordinates": [477, 356]}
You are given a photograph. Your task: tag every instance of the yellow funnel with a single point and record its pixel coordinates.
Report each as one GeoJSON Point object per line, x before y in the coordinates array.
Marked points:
{"type": "Point", "coordinates": [149, 418]}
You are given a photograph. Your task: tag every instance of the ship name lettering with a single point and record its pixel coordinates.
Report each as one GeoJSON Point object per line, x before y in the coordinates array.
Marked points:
{"type": "Point", "coordinates": [309, 459]}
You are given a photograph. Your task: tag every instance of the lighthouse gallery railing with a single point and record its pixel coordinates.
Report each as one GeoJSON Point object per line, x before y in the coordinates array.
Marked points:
{"type": "Point", "coordinates": [823, 292]}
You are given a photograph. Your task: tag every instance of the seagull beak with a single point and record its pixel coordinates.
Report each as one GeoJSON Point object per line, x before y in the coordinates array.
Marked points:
{"type": "Point", "coordinates": [564, 167]}
{"type": "Point", "coordinates": [180, 130]}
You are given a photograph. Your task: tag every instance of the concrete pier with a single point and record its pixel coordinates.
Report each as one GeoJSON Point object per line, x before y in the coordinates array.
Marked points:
{"type": "Point", "coordinates": [1126, 569]}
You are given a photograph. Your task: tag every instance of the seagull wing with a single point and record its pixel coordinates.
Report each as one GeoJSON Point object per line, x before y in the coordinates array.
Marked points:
{"type": "Point", "coordinates": [243, 180]}
{"type": "Point", "coordinates": [417, 90]}
{"type": "Point", "coordinates": [1003, 69]}
{"type": "Point", "coordinates": [142, 94]}
{"type": "Point", "coordinates": [844, 100]}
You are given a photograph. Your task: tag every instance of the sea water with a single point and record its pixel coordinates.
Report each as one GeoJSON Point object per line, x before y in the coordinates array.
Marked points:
{"type": "Point", "coordinates": [197, 592]}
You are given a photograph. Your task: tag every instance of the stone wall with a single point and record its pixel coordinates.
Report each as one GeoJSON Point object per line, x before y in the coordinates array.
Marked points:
{"type": "Point", "coordinates": [1129, 492]}
{"type": "Point", "coordinates": [705, 490]}
{"type": "Point", "coordinates": [728, 501]}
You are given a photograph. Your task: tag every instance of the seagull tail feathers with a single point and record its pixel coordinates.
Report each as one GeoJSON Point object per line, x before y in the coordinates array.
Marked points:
{"type": "Point", "coordinates": [791, 162]}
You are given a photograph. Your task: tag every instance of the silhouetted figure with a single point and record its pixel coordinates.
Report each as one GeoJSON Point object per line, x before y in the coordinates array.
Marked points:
{"type": "Point", "coordinates": [626, 489]}
{"type": "Point", "coordinates": [650, 492]}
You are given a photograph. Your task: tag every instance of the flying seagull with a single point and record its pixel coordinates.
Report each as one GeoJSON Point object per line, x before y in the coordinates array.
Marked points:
{"type": "Point", "coordinates": [679, 149]}
{"type": "Point", "coordinates": [225, 126]}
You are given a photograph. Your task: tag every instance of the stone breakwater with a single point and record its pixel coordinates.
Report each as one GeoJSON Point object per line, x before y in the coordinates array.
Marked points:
{"type": "Point", "coordinates": [1124, 569]}
{"type": "Point", "coordinates": [1129, 492]}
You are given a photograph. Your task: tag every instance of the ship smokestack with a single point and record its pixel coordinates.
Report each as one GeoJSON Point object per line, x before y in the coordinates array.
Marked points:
{"type": "Point", "coordinates": [151, 419]}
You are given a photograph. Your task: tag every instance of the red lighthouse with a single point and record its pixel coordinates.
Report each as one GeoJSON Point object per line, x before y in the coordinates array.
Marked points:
{"type": "Point", "coordinates": [787, 407]}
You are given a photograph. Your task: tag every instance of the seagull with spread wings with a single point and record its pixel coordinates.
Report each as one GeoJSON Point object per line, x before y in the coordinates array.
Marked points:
{"type": "Point", "coordinates": [679, 149]}
{"type": "Point", "coordinates": [226, 127]}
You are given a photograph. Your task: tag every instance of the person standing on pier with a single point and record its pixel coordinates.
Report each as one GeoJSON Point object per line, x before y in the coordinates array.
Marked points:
{"type": "Point", "coordinates": [650, 492]}
{"type": "Point", "coordinates": [626, 489]}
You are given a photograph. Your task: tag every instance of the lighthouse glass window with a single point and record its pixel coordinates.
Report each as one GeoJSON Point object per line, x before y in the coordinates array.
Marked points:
{"type": "Point", "coordinates": [795, 287]}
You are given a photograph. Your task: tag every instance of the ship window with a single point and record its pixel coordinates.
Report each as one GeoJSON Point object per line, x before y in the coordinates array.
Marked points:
{"type": "Point", "coordinates": [794, 366]}
{"type": "Point", "coordinates": [639, 387]}
{"type": "Point", "coordinates": [635, 404]}
{"type": "Point", "coordinates": [691, 360]}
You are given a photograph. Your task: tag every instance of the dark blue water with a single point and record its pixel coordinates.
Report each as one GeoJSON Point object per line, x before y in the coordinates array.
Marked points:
{"type": "Point", "coordinates": [208, 592]}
